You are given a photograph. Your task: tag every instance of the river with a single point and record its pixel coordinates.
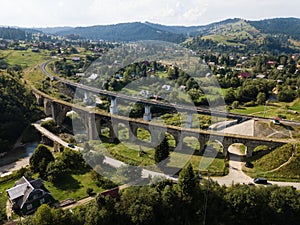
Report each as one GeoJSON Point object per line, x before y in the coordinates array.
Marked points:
{"type": "Point", "coordinates": [16, 159]}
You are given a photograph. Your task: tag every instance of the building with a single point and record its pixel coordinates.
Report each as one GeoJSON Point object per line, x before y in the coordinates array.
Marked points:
{"type": "Point", "coordinates": [244, 75]}
{"type": "Point", "coordinates": [76, 59]}
{"type": "Point", "coordinates": [260, 76]}
{"type": "Point", "coordinates": [27, 195]}
{"type": "Point", "coordinates": [280, 67]}
{"type": "Point", "coordinates": [146, 94]}
{"type": "Point", "coordinates": [167, 87]}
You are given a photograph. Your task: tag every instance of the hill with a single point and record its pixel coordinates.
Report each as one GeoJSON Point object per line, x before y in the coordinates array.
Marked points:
{"type": "Point", "coordinates": [12, 33]}
{"type": "Point", "coordinates": [124, 32]}
{"type": "Point", "coordinates": [238, 35]}
{"type": "Point", "coordinates": [53, 30]}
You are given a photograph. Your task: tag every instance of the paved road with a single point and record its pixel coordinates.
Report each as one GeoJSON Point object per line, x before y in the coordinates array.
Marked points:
{"type": "Point", "coordinates": [52, 136]}
{"type": "Point", "coordinates": [235, 175]}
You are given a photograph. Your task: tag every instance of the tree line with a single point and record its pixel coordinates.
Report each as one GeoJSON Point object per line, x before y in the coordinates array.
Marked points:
{"type": "Point", "coordinates": [189, 201]}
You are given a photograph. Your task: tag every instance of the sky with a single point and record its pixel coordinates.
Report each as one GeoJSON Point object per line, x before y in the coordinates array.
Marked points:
{"type": "Point", "coordinates": [50, 13]}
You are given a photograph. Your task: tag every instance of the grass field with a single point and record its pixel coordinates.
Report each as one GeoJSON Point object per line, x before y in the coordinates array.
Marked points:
{"type": "Point", "coordinates": [25, 58]}
{"type": "Point", "coordinates": [73, 186]}
{"type": "Point", "coordinates": [273, 109]}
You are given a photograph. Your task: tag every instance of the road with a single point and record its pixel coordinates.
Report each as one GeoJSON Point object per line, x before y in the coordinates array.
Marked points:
{"type": "Point", "coordinates": [52, 136]}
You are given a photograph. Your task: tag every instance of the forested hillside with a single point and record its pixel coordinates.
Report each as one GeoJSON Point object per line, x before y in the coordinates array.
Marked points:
{"type": "Point", "coordinates": [12, 33]}
{"type": "Point", "coordinates": [17, 109]}
{"type": "Point", "coordinates": [288, 26]}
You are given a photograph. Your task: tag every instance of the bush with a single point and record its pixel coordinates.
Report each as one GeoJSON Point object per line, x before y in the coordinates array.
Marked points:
{"type": "Point", "coordinates": [90, 191]}
{"type": "Point", "coordinates": [51, 126]}
{"type": "Point", "coordinates": [250, 104]}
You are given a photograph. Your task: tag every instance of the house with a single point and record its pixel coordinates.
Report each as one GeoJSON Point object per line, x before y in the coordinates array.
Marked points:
{"type": "Point", "coordinates": [261, 76]}
{"type": "Point", "coordinates": [167, 87]}
{"type": "Point", "coordinates": [35, 50]}
{"type": "Point", "coordinates": [280, 67]}
{"type": "Point", "coordinates": [27, 195]}
{"type": "Point", "coordinates": [76, 59]}
{"type": "Point", "coordinates": [146, 94]}
{"type": "Point", "coordinates": [93, 76]}
{"type": "Point", "coordinates": [244, 75]}
{"type": "Point", "coordinates": [80, 74]}
{"type": "Point", "coordinates": [182, 88]}
{"type": "Point", "coordinates": [271, 63]}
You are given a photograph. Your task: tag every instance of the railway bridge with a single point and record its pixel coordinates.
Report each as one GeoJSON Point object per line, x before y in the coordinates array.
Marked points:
{"type": "Point", "coordinates": [95, 121]}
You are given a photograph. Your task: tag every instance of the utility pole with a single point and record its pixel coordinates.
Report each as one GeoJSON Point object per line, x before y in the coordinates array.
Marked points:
{"type": "Point", "coordinates": [206, 198]}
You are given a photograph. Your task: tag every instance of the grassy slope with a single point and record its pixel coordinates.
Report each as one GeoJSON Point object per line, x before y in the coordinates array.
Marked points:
{"type": "Point", "coordinates": [232, 34]}
{"type": "Point", "coordinates": [265, 161]}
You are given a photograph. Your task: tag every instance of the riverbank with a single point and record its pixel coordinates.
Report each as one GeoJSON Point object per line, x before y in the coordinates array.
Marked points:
{"type": "Point", "coordinates": [16, 159]}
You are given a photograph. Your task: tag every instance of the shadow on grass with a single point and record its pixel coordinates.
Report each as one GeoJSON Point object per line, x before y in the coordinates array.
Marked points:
{"type": "Point", "coordinates": [67, 182]}
{"type": "Point", "coordinates": [257, 155]}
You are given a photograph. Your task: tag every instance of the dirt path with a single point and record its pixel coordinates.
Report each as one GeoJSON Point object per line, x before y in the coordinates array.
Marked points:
{"type": "Point", "coordinates": [8, 210]}
{"type": "Point", "coordinates": [282, 165]}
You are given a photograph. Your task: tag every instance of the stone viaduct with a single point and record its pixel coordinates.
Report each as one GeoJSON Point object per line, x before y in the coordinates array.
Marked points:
{"type": "Point", "coordinates": [95, 121]}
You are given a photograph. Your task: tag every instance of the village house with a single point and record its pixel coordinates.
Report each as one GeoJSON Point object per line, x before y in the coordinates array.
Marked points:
{"type": "Point", "coordinates": [27, 195]}
{"type": "Point", "coordinates": [244, 75]}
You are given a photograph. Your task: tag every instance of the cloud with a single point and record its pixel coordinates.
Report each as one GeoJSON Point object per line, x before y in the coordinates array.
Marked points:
{"type": "Point", "coordinates": [91, 12]}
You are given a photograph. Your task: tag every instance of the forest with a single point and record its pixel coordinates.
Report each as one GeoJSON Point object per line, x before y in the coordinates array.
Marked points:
{"type": "Point", "coordinates": [17, 108]}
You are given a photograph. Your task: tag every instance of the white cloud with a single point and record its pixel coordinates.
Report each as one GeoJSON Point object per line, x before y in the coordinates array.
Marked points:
{"type": "Point", "coordinates": [89, 12]}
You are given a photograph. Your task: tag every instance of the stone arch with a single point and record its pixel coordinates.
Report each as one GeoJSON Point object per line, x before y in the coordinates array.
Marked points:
{"type": "Point", "coordinates": [171, 139]}
{"type": "Point", "coordinates": [191, 142]}
{"type": "Point", "coordinates": [236, 151]}
{"type": "Point", "coordinates": [143, 134]}
{"type": "Point", "coordinates": [122, 131]}
{"type": "Point", "coordinates": [216, 144]}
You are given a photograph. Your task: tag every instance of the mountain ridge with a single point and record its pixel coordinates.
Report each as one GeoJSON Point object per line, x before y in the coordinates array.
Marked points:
{"type": "Point", "coordinates": [147, 30]}
{"type": "Point", "coordinates": [135, 31]}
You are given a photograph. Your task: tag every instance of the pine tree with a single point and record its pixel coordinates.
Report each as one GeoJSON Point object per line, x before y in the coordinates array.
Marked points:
{"type": "Point", "coordinates": [187, 181]}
